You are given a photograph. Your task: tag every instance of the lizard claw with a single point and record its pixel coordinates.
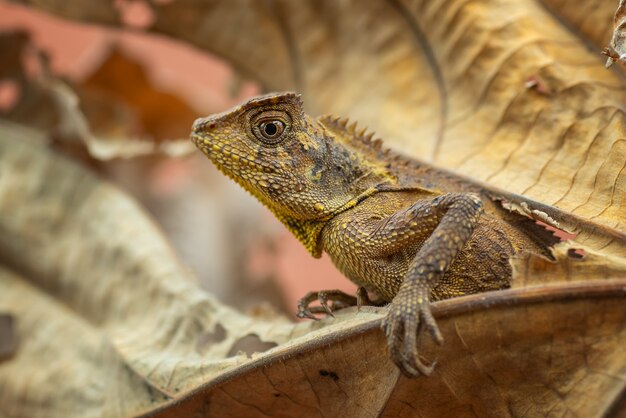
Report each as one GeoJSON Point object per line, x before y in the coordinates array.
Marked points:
{"type": "Point", "coordinates": [306, 313]}
{"type": "Point", "coordinates": [322, 296]}
{"type": "Point", "coordinates": [338, 298]}
{"type": "Point", "coordinates": [402, 327]}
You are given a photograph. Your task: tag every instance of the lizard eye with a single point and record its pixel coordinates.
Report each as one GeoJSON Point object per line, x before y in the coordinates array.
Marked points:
{"type": "Point", "coordinates": [271, 129]}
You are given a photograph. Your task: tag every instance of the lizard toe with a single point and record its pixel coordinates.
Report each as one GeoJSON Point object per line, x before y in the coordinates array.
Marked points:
{"type": "Point", "coordinates": [306, 313]}
{"type": "Point", "coordinates": [411, 332]}
{"type": "Point", "coordinates": [428, 321]}
{"type": "Point", "coordinates": [402, 329]}
{"type": "Point", "coordinates": [322, 297]}
{"type": "Point", "coordinates": [393, 328]}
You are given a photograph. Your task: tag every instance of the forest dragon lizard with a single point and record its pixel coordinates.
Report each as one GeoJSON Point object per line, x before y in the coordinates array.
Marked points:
{"type": "Point", "coordinates": [403, 230]}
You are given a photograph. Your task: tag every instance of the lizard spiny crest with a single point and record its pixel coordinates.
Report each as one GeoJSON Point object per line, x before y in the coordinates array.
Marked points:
{"type": "Point", "coordinates": [306, 171]}
{"type": "Point", "coordinates": [349, 130]}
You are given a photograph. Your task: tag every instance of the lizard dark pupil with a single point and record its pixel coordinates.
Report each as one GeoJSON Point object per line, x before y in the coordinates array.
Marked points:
{"type": "Point", "coordinates": [271, 129]}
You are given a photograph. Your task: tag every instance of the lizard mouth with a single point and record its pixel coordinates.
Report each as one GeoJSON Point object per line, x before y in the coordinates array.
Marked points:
{"type": "Point", "coordinates": [221, 157]}
{"type": "Point", "coordinates": [199, 135]}
{"type": "Point", "coordinates": [200, 143]}
{"type": "Point", "coordinates": [201, 127]}
{"type": "Point", "coordinates": [196, 139]}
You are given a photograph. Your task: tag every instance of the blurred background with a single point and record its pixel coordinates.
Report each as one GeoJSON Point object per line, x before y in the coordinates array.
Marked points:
{"type": "Point", "coordinates": [151, 88]}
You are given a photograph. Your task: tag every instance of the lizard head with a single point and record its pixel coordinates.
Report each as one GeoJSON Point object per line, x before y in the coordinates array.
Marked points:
{"type": "Point", "coordinates": [302, 170]}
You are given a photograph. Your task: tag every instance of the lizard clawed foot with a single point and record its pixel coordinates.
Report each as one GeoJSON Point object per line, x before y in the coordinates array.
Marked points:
{"type": "Point", "coordinates": [402, 325]}
{"type": "Point", "coordinates": [339, 300]}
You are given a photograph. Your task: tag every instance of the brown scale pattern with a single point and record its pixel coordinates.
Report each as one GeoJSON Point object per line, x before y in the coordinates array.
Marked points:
{"type": "Point", "coordinates": [410, 249]}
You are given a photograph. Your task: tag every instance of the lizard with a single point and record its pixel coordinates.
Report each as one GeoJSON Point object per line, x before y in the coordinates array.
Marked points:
{"type": "Point", "coordinates": [404, 231]}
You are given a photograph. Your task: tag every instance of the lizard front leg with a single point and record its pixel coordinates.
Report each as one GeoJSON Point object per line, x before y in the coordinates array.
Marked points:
{"type": "Point", "coordinates": [455, 216]}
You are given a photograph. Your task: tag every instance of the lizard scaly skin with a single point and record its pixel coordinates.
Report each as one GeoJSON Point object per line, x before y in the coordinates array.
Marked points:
{"type": "Point", "coordinates": [336, 192]}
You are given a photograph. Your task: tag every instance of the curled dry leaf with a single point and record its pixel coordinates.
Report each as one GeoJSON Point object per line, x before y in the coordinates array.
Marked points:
{"type": "Point", "coordinates": [159, 116]}
{"type": "Point", "coordinates": [74, 124]}
{"type": "Point", "coordinates": [524, 209]}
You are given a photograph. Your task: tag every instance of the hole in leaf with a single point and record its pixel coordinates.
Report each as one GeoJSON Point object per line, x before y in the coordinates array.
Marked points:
{"type": "Point", "coordinates": [576, 253]}
{"type": "Point", "coordinates": [561, 234]}
{"type": "Point", "coordinates": [327, 373]}
{"type": "Point", "coordinates": [249, 344]}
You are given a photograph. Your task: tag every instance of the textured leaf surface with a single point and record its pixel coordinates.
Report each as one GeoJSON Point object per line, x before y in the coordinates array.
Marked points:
{"type": "Point", "coordinates": [563, 358]}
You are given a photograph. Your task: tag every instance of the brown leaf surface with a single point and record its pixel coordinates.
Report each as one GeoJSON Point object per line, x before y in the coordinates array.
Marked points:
{"type": "Point", "coordinates": [564, 149]}
{"type": "Point", "coordinates": [497, 89]}
{"type": "Point", "coordinates": [546, 350]}
{"type": "Point", "coordinates": [574, 263]}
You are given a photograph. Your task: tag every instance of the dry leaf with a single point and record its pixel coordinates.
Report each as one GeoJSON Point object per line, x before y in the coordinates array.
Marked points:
{"type": "Point", "coordinates": [145, 335]}
{"type": "Point", "coordinates": [121, 80]}
{"type": "Point", "coordinates": [591, 19]}
{"type": "Point", "coordinates": [550, 350]}
{"type": "Point", "coordinates": [74, 124]}
{"type": "Point", "coordinates": [573, 263]}
{"type": "Point", "coordinates": [12, 46]}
